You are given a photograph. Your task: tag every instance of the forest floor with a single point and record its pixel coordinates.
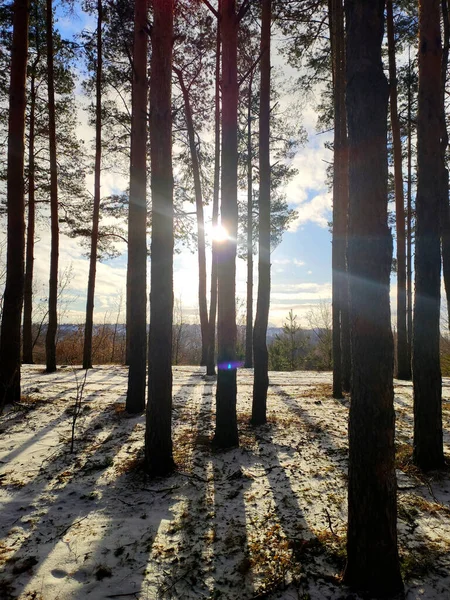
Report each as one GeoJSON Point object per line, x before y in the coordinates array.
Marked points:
{"type": "Point", "coordinates": [266, 520]}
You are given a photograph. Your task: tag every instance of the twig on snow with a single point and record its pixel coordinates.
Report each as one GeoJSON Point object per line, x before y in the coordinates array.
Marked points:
{"type": "Point", "coordinates": [330, 525]}
{"type": "Point", "coordinates": [64, 531]}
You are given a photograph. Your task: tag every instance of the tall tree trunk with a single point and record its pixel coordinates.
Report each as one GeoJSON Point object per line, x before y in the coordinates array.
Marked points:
{"type": "Point", "coordinates": [137, 219]}
{"type": "Point", "coordinates": [87, 349]}
{"type": "Point", "coordinates": [226, 434]}
{"type": "Point", "coordinates": [210, 365]}
{"type": "Point", "coordinates": [340, 199]}
{"type": "Point", "coordinates": [445, 226]}
{"type": "Point", "coordinates": [428, 443]}
{"type": "Point", "coordinates": [27, 354]}
{"type": "Point", "coordinates": [128, 299]}
{"type": "Point", "coordinates": [409, 223]}
{"type": "Point", "coordinates": [372, 555]}
{"type": "Point", "coordinates": [50, 340]}
{"type": "Point", "coordinates": [403, 366]}
{"type": "Point", "coordinates": [13, 295]}
{"type": "Point", "coordinates": [343, 167]}
{"type": "Point", "coordinates": [158, 442]}
{"type": "Point", "coordinates": [261, 356]}
{"type": "Point", "coordinates": [248, 364]}
{"type": "Point", "coordinates": [202, 304]}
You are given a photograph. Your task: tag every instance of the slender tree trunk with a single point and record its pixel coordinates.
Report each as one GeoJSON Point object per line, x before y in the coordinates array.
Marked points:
{"type": "Point", "coordinates": [428, 443]}
{"type": "Point", "coordinates": [158, 442]}
{"type": "Point", "coordinates": [372, 555]}
{"type": "Point", "coordinates": [52, 327]}
{"type": "Point", "coordinates": [248, 364]}
{"type": "Point", "coordinates": [13, 295]}
{"type": "Point", "coordinates": [87, 350]}
{"type": "Point", "coordinates": [226, 434]}
{"type": "Point", "coordinates": [409, 224]}
{"type": "Point", "coordinates": [261, 356]}
{"type": "Point", "coordinates": [210, 366]}
{"type": "Point", "coordinates": [403, 366]}
{"type": "Point", "coordinates": [340, 194]}
{"type": "Point", "coordinates": [202, 304]}
{"type": "Point", "coordinates": [445, 226]}
{"type": "Point", "coordinates": [343, 166]}
{"type": "Point", "coordinates": [128, 299]}
{"type": "Point", "coordinates": [137, 219]}
{"type": "Point", "coordinates": [27, 357]}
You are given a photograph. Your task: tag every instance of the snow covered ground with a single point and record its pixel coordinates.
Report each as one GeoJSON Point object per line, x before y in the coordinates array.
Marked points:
{"type": "Point", "coordinates": [265, 520]}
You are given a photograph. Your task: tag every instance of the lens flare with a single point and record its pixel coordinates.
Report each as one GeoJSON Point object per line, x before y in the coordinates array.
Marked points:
{"type": "Point", "coordinates": [219, 233]}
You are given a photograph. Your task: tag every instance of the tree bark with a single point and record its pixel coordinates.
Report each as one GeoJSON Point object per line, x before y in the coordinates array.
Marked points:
{"type": "Point", "coordinates": [403, 366]}
{"type": "Point", "coordinates": [137, 219]}
{"type": "Point", "coordinates": [158, 442]}
{"type": "Point", "coordinates": [409, 224]}
{"type": "Point", "coordinates": [13, 295]}
{"type": "Point", "coordinates": [372, 555]}
{"type": "Point", "coordinates": [445, 227]}
{"type": "Point", "coordinates": [210, 365]}
{"type": "Point", "coordinates": [226, 433]}
{"type": "Point", "coordinates": [27, 350]}
{"type": "Point", "coordinates": [343, 166]}
{"type": "Point", "coordinates": [202, 303]}
{"type": "Point", "coordinates": [87, 349]}
{"type": "Point", "coordinates": [428, 442]}
{"type": "Point", "coordinates": [261, 356]}
{"type": "Point", "coordinates": [52, 327]}
{"type": "Point", "coordinates": [248, 364]}
{"type": "Point", "coordinates": [340, 199]}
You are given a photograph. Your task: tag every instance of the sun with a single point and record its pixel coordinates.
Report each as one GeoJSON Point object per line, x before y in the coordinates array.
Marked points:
{"type": "Point", "coordinates": [219, 233]}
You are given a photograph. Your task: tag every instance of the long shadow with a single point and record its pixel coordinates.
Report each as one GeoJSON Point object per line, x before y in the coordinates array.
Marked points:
{"type": "Point", "coordinates": [59, 501]}
{"type": "Point", "coordinates": [42, 385]}
{"type": "Point", "coordinates": [50, 469]}
{"type": "Point", "coordinates": [231, 555]}
{"type": "Point", "coordinates": [118, 561]}
{"type": "Point", "coordinates": [289, 513]}
{"type": "Point", "coordinates": [62, 417]}
{"type": "Point", "coordinates": [336, 454]}
{"type": "Point", "coordinates": [33, 439]}
{"type": "Point", "coordinates": [187, 576]}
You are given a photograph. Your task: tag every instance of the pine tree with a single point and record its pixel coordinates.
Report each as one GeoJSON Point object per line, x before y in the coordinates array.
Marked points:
{"type": "Point", "coordinates": [372, 555]}
{"type": "Point", "coordinates": [158, 441]}
{"type": "Point", "coordinates": [137, 237]}
{"type": "Point", "coordinates": [261, 357]}
{"type": "Point", "coordinates": [87, 349]}
{"type": "Point", "coordinates": [403, 365]}
{"type": "Point", "coordinates": [13, 296]}
{"type": "Point", "coordinates": [50, 340]}
{"type": "Point", "coordinates": [428, 438]}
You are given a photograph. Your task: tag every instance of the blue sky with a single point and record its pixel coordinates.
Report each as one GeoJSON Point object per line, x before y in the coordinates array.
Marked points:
{"type": "Point", "coordinates": [301, 264]}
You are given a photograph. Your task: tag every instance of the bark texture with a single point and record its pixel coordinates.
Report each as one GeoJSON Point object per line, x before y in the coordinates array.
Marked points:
{"type": "Point", "coordinates": [341, 349]}
{"type": "Point", "coordinates": [137, 219]}
{"type": "Point", "coordinates": [27, 332]}
{"type": "Point", "coordinates": [158, 441]}
{"type": "Point", "coordinates": [13, 295]}
{"type": "Point", "coordinates": [409, 223]}
{"type": "Point", "coordinates": [87, 348]}
{"type": "Point", "coordinates": [248, 364]}
{"type": "Point", "coordinates": [445, 224]}
{"type": "Point", "coordinates": [210, 364]}
{"type": "Point", "coordinates": [260, 353]}
{"type": "Point", "coordinates": [202, 303]}
{"type": "Point", "coordinates": [52, 327]}
{"type": "Point", "coordinates": [428, 443]}
{"type": "Point", "coordinates": [372, 555]}
{"type": "Point", "coordinates": [403, 365]}
{"type": "Point", "coordinates": [226, 433]}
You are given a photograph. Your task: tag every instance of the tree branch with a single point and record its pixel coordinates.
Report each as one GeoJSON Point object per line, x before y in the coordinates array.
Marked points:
{"type": "Point", "coordinates": [211, 8]}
